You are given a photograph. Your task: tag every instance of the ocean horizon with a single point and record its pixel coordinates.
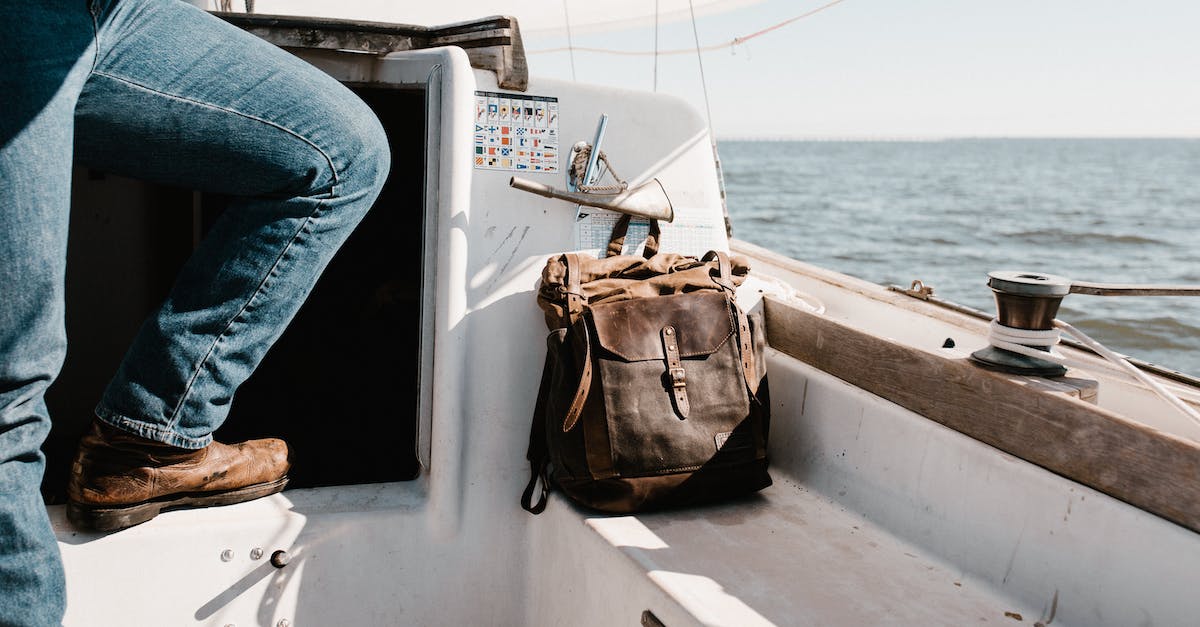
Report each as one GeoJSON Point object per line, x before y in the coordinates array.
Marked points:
{"type": "Point", "coordinates": [948, 211]}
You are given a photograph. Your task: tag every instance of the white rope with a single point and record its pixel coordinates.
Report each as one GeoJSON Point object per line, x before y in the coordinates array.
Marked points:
{"type": "Point", "coordinates": [1026, 337]}
{"type": "Point", "coordinates": [1124, 364]}
{"type": "Point", "coordinates": [1025, 342]}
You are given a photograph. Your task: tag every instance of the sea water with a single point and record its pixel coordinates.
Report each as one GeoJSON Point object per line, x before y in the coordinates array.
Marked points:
{"type": "Point", "coordinates": [948, 212]}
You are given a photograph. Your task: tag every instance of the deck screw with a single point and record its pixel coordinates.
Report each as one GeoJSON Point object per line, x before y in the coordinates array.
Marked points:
{"type": "Point", "coordinates": [256, 553]}
{"type": "Point", "coordinates": [280, 558]}
{"type": "Point", "coordinates": [226, 555]}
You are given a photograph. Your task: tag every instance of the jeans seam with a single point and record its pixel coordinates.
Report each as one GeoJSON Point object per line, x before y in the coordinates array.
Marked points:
{"type": "Point", "coordinates": [173, 417]}
{"type": "Point", "coordinates": [95, 13]}
{"type": "Point", "coordinates": [332, 168]}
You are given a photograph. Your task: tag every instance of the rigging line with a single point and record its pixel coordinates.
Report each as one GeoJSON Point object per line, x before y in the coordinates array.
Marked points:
{"type": "Point", "coordinates": [570, 44]}
{"type": "Point", "coordinates": [700, 62]}
{"type": "Point", "coordinates": [655, 46]}
{"type": "Point", "coordinates": [711, 134]}
{"type": "Point", "coordinates": [676, 51]}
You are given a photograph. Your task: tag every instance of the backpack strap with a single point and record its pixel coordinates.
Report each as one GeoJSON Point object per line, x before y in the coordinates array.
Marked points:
{"type": "Point", "coordinates": [724, 276]}
{"type": "Point", "coordinates": [616, 243]}
{"type": "Point", "coordinates": [652, 240]}
{"type": "Point", "coordinates": [573, 292]}
{"type": "Point", "coordinates": [538, 452]}
{"type": "Point", "coordinates": [585, 383]}
{"type": "Point", "coordinates": [724, 279]}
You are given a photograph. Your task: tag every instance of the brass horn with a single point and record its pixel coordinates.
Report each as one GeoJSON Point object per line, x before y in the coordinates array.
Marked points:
{"type": "Point", "coordinates": [648, 200]}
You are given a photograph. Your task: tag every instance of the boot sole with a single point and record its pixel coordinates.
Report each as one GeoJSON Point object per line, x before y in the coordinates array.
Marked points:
{"type": "Point", "coordinates": [97, 518]}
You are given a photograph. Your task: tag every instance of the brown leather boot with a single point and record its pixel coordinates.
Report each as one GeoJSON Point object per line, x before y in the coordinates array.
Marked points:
{"type": "Point", "coordinates": [119, 479]}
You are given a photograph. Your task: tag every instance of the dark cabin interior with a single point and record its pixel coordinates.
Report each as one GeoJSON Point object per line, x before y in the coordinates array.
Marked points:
{"type": "Point", "coordinates": [340, 385]}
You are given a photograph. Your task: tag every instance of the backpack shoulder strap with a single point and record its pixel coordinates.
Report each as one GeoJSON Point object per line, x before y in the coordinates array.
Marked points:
{"type": "Point", "coordinates": [585, 383]}
{"type": "Point", "coordinates": [653, 238]}
{"type": "Point", "coordinates": [573, 291]}
{"type": "Point", "coordinates": [616, 242]}
{"type": "Point", "coordinates": [724, 279]}
{"type": "Point", "coordinates": [538, 452]}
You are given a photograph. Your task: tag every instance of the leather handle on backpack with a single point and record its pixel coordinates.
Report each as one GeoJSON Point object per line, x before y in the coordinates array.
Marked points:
{"type": "Point", "coordinates": [652, 240]}
{"type": "Point", "coordinates": [724, 276]}
{"type": "Point", "coordinates": [616, 243]}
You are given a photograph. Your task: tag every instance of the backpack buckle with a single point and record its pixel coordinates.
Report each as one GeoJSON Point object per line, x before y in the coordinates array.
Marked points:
{"type": "Point", "coordinates": [675, 370]}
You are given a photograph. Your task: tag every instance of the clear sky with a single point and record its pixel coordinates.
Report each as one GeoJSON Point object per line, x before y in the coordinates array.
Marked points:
{"type": "Point", "coordinates": [923, 68]}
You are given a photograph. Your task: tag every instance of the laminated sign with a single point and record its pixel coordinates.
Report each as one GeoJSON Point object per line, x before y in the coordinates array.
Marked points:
{"type": "Point", "coordinates": [516, 132]}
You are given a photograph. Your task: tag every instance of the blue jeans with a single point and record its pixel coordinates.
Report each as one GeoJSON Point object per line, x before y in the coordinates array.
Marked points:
{"type": "Point", "coordinates": [158, 90]}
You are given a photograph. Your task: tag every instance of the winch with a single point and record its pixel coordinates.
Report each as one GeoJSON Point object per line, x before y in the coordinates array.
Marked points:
{"type": "Point", "coordinates": [1025, 327]}
{"type": "Point", "coordinates": [1026, 306]}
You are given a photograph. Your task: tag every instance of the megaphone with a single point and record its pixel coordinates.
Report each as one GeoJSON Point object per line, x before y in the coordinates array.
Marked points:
{"type": "Point", "coordinates": [648, 200]}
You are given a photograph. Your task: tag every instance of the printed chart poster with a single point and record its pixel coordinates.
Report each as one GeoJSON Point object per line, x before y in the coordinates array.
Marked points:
{"type": "Point", "coordinates": [516, 132]}
{"type": "Point", "coordinates": [695, 231]}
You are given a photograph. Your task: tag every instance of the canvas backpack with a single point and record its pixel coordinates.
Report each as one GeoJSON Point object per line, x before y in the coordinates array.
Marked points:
{"type": "Point", "coordinates": [654, 391]}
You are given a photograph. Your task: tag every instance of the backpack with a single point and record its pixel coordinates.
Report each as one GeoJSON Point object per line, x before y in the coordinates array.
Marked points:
{"type": "Point", "coordinates": [654, 391]}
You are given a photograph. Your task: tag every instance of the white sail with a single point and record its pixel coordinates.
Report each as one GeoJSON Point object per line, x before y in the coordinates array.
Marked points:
{"type": "Point", "coordinates": [540, 16]}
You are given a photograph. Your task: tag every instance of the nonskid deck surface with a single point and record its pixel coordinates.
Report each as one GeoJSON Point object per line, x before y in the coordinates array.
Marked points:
{"type": "Point", "coordinates": [793, 557]}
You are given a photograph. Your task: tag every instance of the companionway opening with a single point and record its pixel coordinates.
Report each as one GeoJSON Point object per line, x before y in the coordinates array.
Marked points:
{"type": "Point", "coordinates": [342, 383]}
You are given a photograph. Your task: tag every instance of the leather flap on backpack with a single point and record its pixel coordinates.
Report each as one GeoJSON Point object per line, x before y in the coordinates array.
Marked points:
{"type": "Point", "coordinates": [630, 328]}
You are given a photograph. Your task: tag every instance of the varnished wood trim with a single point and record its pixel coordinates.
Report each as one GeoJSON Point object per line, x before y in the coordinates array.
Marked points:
{"type": "Point", "coordinates": [492, 43]}
{"type": "Point", "coordinates": [1142, 466]}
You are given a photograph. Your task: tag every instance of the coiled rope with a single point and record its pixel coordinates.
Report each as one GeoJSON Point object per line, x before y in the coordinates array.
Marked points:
{"type": "Point", "coordinates": [582, 152]}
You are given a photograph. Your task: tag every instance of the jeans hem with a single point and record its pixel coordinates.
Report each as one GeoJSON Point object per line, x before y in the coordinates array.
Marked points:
{"type": "Point", "coordinates": [150, 432]}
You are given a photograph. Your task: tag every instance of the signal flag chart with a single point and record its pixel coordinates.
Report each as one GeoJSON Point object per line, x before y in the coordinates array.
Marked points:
{"type": "Point", "coordinates": [516, 132]}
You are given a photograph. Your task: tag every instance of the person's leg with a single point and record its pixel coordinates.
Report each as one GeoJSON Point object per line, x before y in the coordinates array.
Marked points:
{"type": "Point", "coordinates": [46, 50]}
{"type": "Point", "coordinates": [181, 97]}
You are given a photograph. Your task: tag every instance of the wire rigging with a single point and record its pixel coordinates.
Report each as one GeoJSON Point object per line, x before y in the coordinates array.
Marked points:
{"type": "Point", "coordinates": [676, 51]}
{"type": "Point", "coordinates": [708, 113]}
{"type": "Point", "coordinates": [570, 43]}
{"type": "Point", "coordinates": [655, 45]}
{"type": "Point", "coordinates": [700, 62]}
